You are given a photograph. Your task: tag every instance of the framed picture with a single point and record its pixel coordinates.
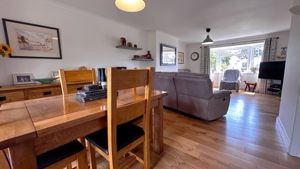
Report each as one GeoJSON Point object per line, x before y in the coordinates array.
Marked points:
{"type": "Point", "coordinates": [23, 78]}
{"type": "Point", "coordinates": [180, 58]}
{"type": "Point", "coordinates": [32, 41]}
{"type": "Point", "coordinates": [167, 55]}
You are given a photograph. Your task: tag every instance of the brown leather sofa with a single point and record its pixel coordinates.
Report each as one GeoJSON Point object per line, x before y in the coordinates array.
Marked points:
{"type": "Point", "coordinates": [192, 93]}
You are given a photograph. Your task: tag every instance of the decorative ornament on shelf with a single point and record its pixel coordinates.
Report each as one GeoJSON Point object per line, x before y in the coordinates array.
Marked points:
{"type": "Point", "coordinates": [146, 57]}
{"type": "Point", "coordinates": [5, 50]}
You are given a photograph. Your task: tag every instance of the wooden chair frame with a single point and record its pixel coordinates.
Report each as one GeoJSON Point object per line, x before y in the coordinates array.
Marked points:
{"type": "Point", "coordinates": [120, 80]}
{"type": "Point", "coordinates": [66, 162]}
{"type": "Point", "coordinates": [68, 77]}
{"type": "Point", "coordinates": [4, 163]}
{"type": "Point", "coordinates": [80, 157]}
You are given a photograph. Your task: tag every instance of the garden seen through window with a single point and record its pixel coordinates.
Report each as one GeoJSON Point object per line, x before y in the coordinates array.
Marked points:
{"type": "Point", "coordinates": [246, 58]}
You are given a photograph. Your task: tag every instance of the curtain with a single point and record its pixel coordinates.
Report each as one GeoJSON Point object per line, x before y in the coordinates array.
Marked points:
{"type": "Point", "coordinates": [205, 60]}
{"type": "Point", "coordinates": [269, 55]}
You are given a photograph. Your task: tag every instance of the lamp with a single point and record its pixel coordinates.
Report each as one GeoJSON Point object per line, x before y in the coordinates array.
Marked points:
{"type": "Point", "coordinates": [208, 40]}
{"type": "Point", "coordinates": [295, 10]}
{"type": "Point", "coordinates": [130, 5]}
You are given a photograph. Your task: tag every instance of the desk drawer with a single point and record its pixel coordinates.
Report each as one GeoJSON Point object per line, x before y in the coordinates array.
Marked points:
{"type": "Point", "coordinates": [11, 96]}
{"type": "Point", "coordinates": [39, 93]}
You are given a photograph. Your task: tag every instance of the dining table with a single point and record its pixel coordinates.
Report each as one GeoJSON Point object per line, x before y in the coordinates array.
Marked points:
{"type": "Point", "coordinates": [32, 127]}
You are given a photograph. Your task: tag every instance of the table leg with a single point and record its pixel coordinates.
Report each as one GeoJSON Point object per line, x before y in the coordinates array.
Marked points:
{"type": "Point", "coordinates": [157, 128]}
{"type": "Point", "coordinates": [22, 156]}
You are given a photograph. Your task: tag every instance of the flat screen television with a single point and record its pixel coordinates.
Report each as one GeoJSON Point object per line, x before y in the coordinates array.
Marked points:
{"type": "Point", "coordinates": [272, 70]}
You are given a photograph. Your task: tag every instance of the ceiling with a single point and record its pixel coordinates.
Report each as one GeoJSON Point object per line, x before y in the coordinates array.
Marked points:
{"type": "Point", "coordinates": [187, 19]}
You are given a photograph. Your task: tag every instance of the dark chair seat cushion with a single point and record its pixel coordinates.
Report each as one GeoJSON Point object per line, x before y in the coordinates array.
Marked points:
{"type": "Point", "coordinates": [126, 134]}
{"type": "Point", "coordinates": [58, 154]}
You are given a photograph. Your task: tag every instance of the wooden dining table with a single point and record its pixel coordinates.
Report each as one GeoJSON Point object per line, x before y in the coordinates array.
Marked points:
{"type": "Point", "coordinates": [32, 127]}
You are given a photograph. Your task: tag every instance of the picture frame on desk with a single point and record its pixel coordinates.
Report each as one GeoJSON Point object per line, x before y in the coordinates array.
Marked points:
{"type": "Point", "coordinates": [31, 40]}
{"type": "Point", "coordinates": [23, 78]}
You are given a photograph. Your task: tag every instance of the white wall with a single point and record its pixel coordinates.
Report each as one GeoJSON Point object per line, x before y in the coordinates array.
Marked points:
{"type": "Point", "coordinates": [290, 93]}
{"type": "Point", "coordinates": [194, 66]}
{"type": "Point", "coordinates": [86, 39]}
{"type": "Point", "coordinates": [154, 39]}
{"type": "Point", "coordinates": [167, 39]}
{"type": "Point", "coordinates": [195, 47]}
{"type": "Point", "coordinates": [182, 48]}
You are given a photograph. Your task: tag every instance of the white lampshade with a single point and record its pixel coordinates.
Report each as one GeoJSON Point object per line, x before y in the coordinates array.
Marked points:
{"type": "Point", "coordinates": [130, 5]}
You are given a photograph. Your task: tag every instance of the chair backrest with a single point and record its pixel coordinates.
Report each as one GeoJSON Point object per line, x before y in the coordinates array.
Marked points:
{"type": "Point", "coordinates": [231, 75]}
{"type": "Point", "coordinates": [69, 77]}
{"type": "Point", "coordinates": [194, 87]}
{"type": "Point", "coordinates": [116, 115]}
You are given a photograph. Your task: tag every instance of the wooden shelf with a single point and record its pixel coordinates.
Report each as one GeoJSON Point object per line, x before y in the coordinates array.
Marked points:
{"type": "Point", "coordinates": [148, 60]}
{"type": "Point", "coordinates": [128, 48]}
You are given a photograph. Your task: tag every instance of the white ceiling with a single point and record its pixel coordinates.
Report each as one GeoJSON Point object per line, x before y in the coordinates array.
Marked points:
{"type": "Point", "coordinates": [187, 19]}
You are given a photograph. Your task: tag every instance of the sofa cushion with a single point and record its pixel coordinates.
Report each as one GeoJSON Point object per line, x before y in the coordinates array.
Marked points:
{"type": "Point", "coordinates": [201, 87]}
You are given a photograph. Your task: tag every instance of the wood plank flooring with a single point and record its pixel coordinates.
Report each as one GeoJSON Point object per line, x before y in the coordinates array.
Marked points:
{"type": "Point", "coordinates": [246, 138]}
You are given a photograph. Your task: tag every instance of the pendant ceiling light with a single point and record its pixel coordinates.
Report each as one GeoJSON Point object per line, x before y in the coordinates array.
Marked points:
{"type": "Point", "coordinates": [130, 5]}
{"type": "Point", "coordinates": [208, 40]}
{"type": "Point", "coordinates": [295, 10]}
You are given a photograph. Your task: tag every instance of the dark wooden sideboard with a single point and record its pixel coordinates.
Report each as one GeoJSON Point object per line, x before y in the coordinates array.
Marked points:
{"type": "Point", "coordinates": [34, 91]}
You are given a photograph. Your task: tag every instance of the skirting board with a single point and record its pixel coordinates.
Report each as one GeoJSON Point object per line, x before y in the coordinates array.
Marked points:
{"type": "Point", "coordinates": [283, 133]}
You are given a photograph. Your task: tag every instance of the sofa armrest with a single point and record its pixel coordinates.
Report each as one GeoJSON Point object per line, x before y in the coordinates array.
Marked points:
{"type": "Point", "coordinates": [217, 94]}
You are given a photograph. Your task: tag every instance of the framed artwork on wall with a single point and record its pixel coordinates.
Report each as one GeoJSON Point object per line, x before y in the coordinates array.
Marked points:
{"type": "Point", "coordinates": [167, 55]}
{"type": "Point", "coordinates": [180, 58]}
{"type": "Point", "coordinates": [32, 41]}
{"type": "Point", "coordinates": [23, 78]}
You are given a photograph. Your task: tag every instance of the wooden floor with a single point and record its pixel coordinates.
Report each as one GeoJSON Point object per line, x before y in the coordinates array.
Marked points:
{"type": "Point", "coordinates": [245, 138]}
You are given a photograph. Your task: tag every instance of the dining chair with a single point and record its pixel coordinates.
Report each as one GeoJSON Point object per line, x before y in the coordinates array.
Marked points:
{"type": "Point", "coordinates": [63, 156]}
{"type": "Point", "coordinates": [58, 158]}
{"type": "Point", "coordinates": [121, 137]}
{"type": "Point", "coordinates": [4, 164]}
{"type": "Point", "coordinates": [71, 77]}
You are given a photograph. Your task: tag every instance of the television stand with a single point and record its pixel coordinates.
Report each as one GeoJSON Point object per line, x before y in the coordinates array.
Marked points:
{"type": "Point", "coordinates": [275, 89]}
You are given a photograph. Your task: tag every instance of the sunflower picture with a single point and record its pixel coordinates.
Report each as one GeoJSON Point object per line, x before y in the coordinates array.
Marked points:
{"type": "Point", "coordinates": [5, 50]}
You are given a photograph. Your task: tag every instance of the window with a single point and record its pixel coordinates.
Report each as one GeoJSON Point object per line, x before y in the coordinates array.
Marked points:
{"type": "Point", "coordinates": [246, 58]}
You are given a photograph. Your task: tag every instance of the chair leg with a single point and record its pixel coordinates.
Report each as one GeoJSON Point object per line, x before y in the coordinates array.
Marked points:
{"type": "Point", "coordinates": [146, 156]}
{"type": "Point", "coordinates": [69, 166]}
{"type": "Point", "coordinates": [82, 141]}
{"type": "Point", "coordinates": [113, 164]}
{"type": "Point", "coordinates": [92, 155]}
{"type": "Point", "coordinates": [82, 160]}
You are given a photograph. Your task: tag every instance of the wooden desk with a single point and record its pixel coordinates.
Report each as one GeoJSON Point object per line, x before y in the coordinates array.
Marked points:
{"type": "Point", "coordinates": [30, 128]}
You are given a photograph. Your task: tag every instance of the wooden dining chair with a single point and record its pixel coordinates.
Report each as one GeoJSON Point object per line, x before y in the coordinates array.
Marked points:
{"type": "Point", "coordinates": [63, 156]}
{"type": "Point", "coordinates": [57, 158]}
{"type": "Point", "coordinates": [121, 137]}
{"type": "Point", "coordinates": [4, 163]}
{"type": "Point", "coordinates": [72, 77]}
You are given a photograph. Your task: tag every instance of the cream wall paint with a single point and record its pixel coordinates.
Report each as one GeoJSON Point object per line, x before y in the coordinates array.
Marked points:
{"type": "Point", "coordinates": [86, 39]}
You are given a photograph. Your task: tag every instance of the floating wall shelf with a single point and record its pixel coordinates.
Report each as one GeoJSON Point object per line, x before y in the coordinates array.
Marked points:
{"type": "Point", "coordinates": [128, 48]}
{"type": "Point", "coordinates": [147, 60]}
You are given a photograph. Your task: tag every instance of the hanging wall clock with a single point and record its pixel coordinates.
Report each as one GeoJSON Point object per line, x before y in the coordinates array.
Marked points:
{"type": "Point", "coordinates": [195, 56]}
